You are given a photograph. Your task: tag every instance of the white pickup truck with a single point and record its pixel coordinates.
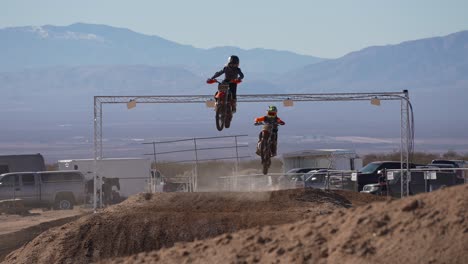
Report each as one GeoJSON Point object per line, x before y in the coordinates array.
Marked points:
{"type": "Point", "coordinates": [61, 189]}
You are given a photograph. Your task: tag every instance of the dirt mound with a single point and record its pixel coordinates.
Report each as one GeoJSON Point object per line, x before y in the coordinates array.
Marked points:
{"type": "Point", "coordinates": [428, 228]}
{"type": "Point", "coordinates": [14, 240]}
{"type": "Point", "coordinates": [150, 222]}
{"type": "Point", "coordinates": [13, 206]}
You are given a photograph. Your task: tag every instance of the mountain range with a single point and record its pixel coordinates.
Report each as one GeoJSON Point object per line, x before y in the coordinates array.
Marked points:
{"type": "Point", "coordinates": [52, 73]}
{"type": "Point", "coordinates": [99, 57]}
{"type": "Point", "coordinates": [87, 44]}
{"type": "Point", "coordinates": [431, 63]}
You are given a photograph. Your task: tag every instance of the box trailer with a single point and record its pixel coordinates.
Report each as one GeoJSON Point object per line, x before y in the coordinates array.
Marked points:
{"type": "Point", "coordinates": [336, 159]}
{"type": "Point", "coordinates": [133, 174]}
{"type": "Point", "coordinates": [19, 163]}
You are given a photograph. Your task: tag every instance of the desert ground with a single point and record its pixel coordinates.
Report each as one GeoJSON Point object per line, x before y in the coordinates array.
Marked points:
{"type": "Point", "coordinates": [284, 226]}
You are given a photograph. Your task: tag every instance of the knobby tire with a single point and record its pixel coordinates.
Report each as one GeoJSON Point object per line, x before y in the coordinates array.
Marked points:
{"type": "Point", "coordinates": [228, 117]}
{"type": "Point", "coordinates": [266, 156]}
{"type": "Point", "coordinates": [220, 117]}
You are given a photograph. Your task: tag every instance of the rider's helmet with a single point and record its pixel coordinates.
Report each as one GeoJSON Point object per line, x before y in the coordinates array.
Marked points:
{"type": "Point", "coordinates": [272, 110]}
{"type": "Point", "coordinates": [233, 60]}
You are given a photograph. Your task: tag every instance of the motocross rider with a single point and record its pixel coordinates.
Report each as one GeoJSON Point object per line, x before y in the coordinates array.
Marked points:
{"type": "Point", "coordinates": [231, 72]}
{"type": "Point", "coordinates": [270, 119]}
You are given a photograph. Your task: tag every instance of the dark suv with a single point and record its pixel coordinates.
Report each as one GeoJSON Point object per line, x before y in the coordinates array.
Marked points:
{"type": "Point", "coordinates": [370, 173]}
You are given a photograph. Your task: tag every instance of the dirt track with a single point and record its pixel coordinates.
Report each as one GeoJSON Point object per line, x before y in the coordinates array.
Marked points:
{"type": "Point", "coordinates": [28, 217]}
{"type": "Point", "coordinates": [13, 240]}
{"type": "Point", "coordinates": [289, 226]}
{"type": "Point", "coordinates": [151, 222]}
{"type": "Point", "coordinates": [428, 228]}
{"type": "Point", "coordinates": [20, 225]}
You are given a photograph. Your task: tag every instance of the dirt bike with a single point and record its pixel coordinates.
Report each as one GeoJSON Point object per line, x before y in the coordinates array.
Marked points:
{"type": "Point", "coordinates": [224, 105]}
{"type": "Point", "coordinates": [266, 143]}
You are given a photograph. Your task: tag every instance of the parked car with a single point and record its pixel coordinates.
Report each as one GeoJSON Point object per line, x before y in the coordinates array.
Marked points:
{"type": "Point", "coordinates": [370, 173]}
{"type": "Point", "coordinates": [456, 164]}
{"type": "Point", "coordinates": [441, 178]}
{"type": "Point", "coordinates": [60, 189]}
{"type": "Point", "coordinates": [423, 180]}
{"type": "Point", "coordinates": [294, 178]}
{"type": "Point", "coordinates": [300, 170]}
{"type": "Point", "coordinates": [439, 166]}
{"type": "Point", "coordinates": [315, 179]}
{"type": "Point", "coordinates": [332, 179]}
{"type": "Point", "coordinates": [374, 188]}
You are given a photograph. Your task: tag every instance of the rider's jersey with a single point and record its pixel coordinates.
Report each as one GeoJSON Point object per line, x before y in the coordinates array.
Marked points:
{"type": "Point", "coordinates": [230, 73]}
{"type": "Point", "coordinates": [274, 120]}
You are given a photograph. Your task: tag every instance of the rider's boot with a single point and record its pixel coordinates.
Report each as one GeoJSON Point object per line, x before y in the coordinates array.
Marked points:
{"type": "Point", "coordinates": [273, 149]}
{"type": "Point", "coordinates": [234, 105]}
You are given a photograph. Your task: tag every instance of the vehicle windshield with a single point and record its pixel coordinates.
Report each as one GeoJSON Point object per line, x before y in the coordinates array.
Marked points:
{"type": "Point", "coordinates": [370, 168]}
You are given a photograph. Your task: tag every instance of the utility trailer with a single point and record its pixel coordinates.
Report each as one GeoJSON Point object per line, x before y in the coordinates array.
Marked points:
{"type": "Point", "coordinates": [127, 176]}
{"type": "Point", "coordinates": [19, 163]}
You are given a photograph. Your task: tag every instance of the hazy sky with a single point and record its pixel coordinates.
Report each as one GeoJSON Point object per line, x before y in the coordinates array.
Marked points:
{"type": "Point", "coordinates": [326, 28]}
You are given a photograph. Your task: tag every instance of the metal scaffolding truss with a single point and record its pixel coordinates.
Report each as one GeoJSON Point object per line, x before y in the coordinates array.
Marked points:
{"type": "Point", "coordinates": [173, 99]}
{"type": "Point", "coordinates": [407, 132]}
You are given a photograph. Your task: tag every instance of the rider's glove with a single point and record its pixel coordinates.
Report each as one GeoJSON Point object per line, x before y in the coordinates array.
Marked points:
{"type": "Point", "coordinates": [209, 80]}
{"type": "Point", "coordinates": [282, 123]}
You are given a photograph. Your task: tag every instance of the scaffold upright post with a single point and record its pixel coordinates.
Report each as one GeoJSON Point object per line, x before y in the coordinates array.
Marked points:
{"type": "Point", "coordinates": [196, 165]}
{"type": "Point", "coordinates": [405, 144]}
{"type": "Point", "coordinates": [237, 156]}
{"type": "Point", "coordinates": [97, 146]}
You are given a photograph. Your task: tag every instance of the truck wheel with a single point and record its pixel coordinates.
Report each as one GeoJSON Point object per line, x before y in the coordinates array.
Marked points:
{"type": "Point", "coordinates": [63, 203]}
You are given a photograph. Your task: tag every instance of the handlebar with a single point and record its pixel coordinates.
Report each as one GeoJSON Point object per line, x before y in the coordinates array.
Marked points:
{"type": "Point", "coordinates": [210, 81]}
{"type": "Point", "coordinates": [263, 123]}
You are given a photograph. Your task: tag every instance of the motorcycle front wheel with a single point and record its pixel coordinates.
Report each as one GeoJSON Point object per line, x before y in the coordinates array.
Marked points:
{"type": "Point", "coordinates": [219, 117]}
{"type": "Point", "coordinates": [266, 155]}
{"type": "Point", "coordinates": [228, 117]}
{"type": "Point", "coordinates": [266, 166]}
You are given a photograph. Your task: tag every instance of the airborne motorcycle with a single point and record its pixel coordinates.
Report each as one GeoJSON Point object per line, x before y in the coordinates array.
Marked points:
{"type": "Point", "coordinates": [224, 104]}
{"type": "Point", "coordinates": [268, 138]}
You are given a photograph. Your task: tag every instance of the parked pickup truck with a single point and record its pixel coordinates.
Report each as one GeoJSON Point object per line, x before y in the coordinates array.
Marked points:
{"type": "Point", "coordinates": [60, 189]}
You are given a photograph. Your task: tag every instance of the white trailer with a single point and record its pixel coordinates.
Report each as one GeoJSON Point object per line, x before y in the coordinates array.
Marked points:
{"type": "Point", "coordinates": [336, 159]}
{"type": "Point", "coordinates": [134, 173]}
